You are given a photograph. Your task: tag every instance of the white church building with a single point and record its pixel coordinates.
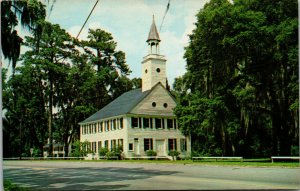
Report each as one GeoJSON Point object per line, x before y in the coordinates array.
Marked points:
{"type": "Point", "coordinates": [140, 119]}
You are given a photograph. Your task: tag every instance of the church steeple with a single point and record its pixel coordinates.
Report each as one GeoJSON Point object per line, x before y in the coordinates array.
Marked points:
{"type": "Point", "coordinates": [153, 34]}
{"type": "Point", "coordinates": [154, 64]}
{"type": "Point", "coordinates": [153, 39]}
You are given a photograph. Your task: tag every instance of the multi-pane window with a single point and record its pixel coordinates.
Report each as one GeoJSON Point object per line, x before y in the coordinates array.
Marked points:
{"type": "Point", "coordinates": [95, 128]}
{"type": "Point", "coordinates": [148, 144]}
{"type": "Point", "coordinates": [151, 122]}
{"type": "Point", "coordinates": [172, 144]}
{"type": "Point", "coordinates": [94, 147]}
{"type": "Point", "coordinates": [120, 143]}
{"type": "Point", "coordinates": [140, 122]}
{"type": "Point", "coordinates": [114, 124]}
{"type": "Point", "coordinates": [134, 122]}
{"type": "Point", "coordinates": [146, 122]}
{"type": "Point", "coordinates": [183, 145]}
{"type": "Point", "coordinates": [107, 125]}
{"type": "Point", "coordinates": [88, 146]}
{"type": "Point", "coordinates": [99, 145]}
{"type": "Point", "coordinates": [158, 123]}
{"type": "Point", "coordinates": [170, 123]}
{"type": "Point", "coordinates": [106, 144]}
{"type": "Point", "coordinates": [121, 123]}
{"type": "Point", "coordinates": [113, 144]}
{"type": "Point", "coordinates": [100, 126]}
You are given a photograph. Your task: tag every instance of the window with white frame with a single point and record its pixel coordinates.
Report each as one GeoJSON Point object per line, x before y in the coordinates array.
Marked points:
{"type": "Point", "coordinates": [183, 147]}
{"type": "Point", "coordinates": [134, 122]}
{"type": "Point", "coordinates": [99, 145]}
{"type": "Point", "coordinates": [148, 144]}
{"type": "Point", "coordinates": [95, 127]}
{"type": "Point", "coordinates": [120, 143]}
{"type": "Point", "coordinates": [107, 125]}
{"type": "Point", "coordinates": [170, 123]}
{"type": "Point", "coordinates": [114, 124]}
{"type": "Point", "coordinates": [158, 123]}
{"type": "Point", "coordinates": [106, 144]}
{"type": "Point", "coordinates": [94, 147]}
{"type": "Point", "coordinates": [172, 144]}
{"type": "Point", "coordinates": [146, 123]}
{"type": "Point", "coordinates": [121, 123]}
{"type": "Point", "coordinates": [101, 126]}
{"type": "Point", "coordinates": [113, 144]}
{"type": "Point", "coordinates": [140, 122]}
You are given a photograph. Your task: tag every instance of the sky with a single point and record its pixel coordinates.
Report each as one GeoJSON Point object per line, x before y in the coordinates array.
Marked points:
{"type": "Point", "coordinates": [129, 23]}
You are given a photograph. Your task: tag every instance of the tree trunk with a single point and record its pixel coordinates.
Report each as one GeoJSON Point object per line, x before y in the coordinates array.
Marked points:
{"type": "Point", "coordinates": [50, 118]}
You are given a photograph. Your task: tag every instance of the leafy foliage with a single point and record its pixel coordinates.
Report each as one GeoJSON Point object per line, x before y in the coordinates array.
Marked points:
{"type": "Point", "coordinates": [80, 149]}
{"type": "Point", "coordinates": [151, 153]}
{"type": "Point", "coordinates": [60, 82]}
{"type": "Point", "coordinates": [240, 93]}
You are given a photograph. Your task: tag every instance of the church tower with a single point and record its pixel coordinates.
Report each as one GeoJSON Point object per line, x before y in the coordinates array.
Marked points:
{"type": "Point", "coordinates": [154, 64]}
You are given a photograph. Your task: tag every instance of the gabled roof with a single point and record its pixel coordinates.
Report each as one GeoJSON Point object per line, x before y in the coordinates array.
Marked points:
{"type": "Point", "coordinates": [153, 34]}
{"type": "Point", "coordinates": [121, 105]}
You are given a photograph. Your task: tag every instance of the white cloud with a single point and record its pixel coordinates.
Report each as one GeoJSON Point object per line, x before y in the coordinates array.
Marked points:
{"type": "Point", "coordinates": [129, 22]}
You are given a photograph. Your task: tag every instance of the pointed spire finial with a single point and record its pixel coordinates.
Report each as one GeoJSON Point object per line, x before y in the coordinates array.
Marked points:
{"type": "Point", "coordinates": [153, 34]}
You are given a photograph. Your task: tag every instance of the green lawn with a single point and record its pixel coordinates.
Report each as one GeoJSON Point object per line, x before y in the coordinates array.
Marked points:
{"type": "Point", "coordinates": [9, 186]}
{"type": "Point", "coordinates": [262, 162]}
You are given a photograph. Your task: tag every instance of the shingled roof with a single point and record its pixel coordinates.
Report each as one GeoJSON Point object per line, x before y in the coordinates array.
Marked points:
{"type": "Point", "coordinates": [153, 34]}
{"type": "Point", "coordinates": [121, 105]}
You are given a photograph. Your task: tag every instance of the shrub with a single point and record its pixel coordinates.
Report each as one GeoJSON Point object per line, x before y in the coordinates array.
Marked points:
{"type": "Point", "coordinates": [9, 186]}
{"type": "Point", "coordinates": [174, 154]}
{"type": "Point", "coordinates": [80, 149]}
{"type": "Point", "coordinates": [103, 151]}
{"type": "Point", "coordinates": [110, 154]}
{"type": "Point", "coordinates": [150, 153]}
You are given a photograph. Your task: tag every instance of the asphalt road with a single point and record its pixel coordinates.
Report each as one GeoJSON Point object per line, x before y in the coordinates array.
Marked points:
{"type": "Point", "coordinates": [47, 175]}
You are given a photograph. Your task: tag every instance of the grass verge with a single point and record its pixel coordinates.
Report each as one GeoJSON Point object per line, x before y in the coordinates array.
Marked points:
{"type": "Point", "coordinates": [264, 162]}
{"type": "Point", "coordinates": [9, 186]}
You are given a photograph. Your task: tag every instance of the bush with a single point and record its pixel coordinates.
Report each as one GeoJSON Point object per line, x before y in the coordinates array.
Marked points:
{"type": "Point", "coordinates": [103, 151]}
{"type": "Point", "coordinates": [174, 154]}
{"type": "Point", "coordinates": [151, 153]}
{"type": "Point", "coordinates": [37, 152]}
{"type": "Point", "coordinates": [295, 150]}
{"type": "Point", "coordinates": [80, 149]}
{"type": "Point", "coordinates": [8, 186]}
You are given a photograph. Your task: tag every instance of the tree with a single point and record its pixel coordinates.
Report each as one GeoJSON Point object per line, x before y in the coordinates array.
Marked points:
{"type": "Point", "coordinates": [30, 13]}
{"type": "Point", "coordinates": [240, 88]}
{"type": "Point", "coordinates": [110, 65]}
{"type": "Point", "coordinates": [55, 88]}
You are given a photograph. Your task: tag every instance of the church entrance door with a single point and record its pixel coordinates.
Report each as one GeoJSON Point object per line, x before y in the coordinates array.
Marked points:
{"type": "Point", "coordinates": [160, 147]}
{"type": "Point", "coordinates": [136, 147]}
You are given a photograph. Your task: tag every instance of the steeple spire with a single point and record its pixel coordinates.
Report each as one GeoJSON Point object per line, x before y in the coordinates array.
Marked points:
{"type": "Point", "coordinates": [154, 64]}
{"type": "Point", "coordinates": [153, 34]}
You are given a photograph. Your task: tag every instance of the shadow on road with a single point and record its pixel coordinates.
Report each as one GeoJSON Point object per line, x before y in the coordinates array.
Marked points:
{"type": "Point", "coordinates": [87, 178]}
